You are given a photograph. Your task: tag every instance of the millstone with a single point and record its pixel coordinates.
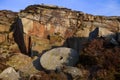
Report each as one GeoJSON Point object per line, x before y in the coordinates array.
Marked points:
{"type": "Point", "coordinates": [58, 57]}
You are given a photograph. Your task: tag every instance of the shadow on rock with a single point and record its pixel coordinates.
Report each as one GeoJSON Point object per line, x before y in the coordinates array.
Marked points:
{"type": "Point", "coordinates": [37, 65]}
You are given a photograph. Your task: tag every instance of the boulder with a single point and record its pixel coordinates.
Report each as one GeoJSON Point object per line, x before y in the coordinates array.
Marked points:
{"type": "Point", "coordinates": [114, 42]}
{"type": "Point", "coordinates": [22, 63]}
{"type": "Point", "coordinates": [75, 72]}
{"type": "Point", "coordinates": [9, 74]}
{"type": "Point", "coordinates": [58, 57]}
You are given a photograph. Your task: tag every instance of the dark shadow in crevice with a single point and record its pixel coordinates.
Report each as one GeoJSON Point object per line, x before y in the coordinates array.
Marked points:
{"type": "Point", "coordinates": [75, 43]}
{"type": "Point", "coordinates": [37, 65]}
{"type": "Point", "coordinates": [17, 28]}
{"type": "Point", "coordinates": [93, 34]}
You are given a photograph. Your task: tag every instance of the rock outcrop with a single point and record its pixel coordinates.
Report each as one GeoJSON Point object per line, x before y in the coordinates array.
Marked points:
{"type": "Point", "coordinates": [53, 25]}
{"type": "Point", "coordinates": [40, 28]}
{"type": "Point", "coordinates": [44, 21]}
{"type": "Point", "coordinates": [9, 74]}
{"type": "Point", "coordinates": [41, 21]}
{"type": "Point", "coordinates": [7, 18]}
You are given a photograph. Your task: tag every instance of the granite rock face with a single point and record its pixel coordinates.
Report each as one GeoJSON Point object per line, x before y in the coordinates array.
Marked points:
{"type": "Point", "coordinates": [44, 21]}
{"type": "Point", "coordinates": [7, 43]}
{"type": "Point", "coordinates": [54, 25]}
{"type": "Point", "coordinates": [39, 28]}
{"type": "Point", "coordinates": [47, 20]}
{"type": "Point", "coordinates": [6, 20]}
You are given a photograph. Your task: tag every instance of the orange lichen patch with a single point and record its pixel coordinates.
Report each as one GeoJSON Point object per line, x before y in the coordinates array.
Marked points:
{"type": "Point", "coordinates": [2, 38]}
{"type": "Point", "coordinates": [69, 33]}
{"type": "Point", "coordinates": [52, 30]}
{"type": "Point", "coordinates": [4, 28]}
{"type": "Point", "coordinates": [38, 29]}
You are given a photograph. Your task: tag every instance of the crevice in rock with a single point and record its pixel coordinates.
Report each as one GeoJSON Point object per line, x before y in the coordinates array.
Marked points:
{"type": "Point", "coordinates": [17, 29]}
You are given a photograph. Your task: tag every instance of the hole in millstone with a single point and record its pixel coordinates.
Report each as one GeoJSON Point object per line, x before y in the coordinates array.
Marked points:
{"type": "Point", "coordinates": [61, 57]}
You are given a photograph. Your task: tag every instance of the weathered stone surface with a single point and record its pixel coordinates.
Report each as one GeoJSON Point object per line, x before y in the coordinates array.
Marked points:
{"type": "Point", "coordinates": [4, 28]}
{"type": "Point", "coordinates": [22, 63]}
{"type": "Point", "coordinates": [76, 72]}
{"type": "Point", "coordinates": [66, 18]}
{"type": "Point", "coordinates": [6, 19]}
{"type": "Point", "coordinates": [43, 21]}
{"type": "Point", "coordinates": [40, 44]}
{"type": "Point", "coordinates": [37, 30]}
{"type": "Point", "coordinates": [2, 38]}
{"type": "Point", "coordinates": [7, 16]}
{"type": "Point", "coordinates": [9, 74]}
{"type": "Point", "coordinates": [73, 71]}
{"type": "Point", "coordinates": [83, 32]}
{"type": "Point", "coordinates": [104, 32]}
{"type": "Point", "coordinates": [14, 48]}
{"type": "Point", "coordinates": [52, 26]}
{"type": "Point", "coordinates": [58, 57]}
{"type": "Point", "coordinates": [3, 60]}
{"type": "Point", "coordinates": [28, 24]}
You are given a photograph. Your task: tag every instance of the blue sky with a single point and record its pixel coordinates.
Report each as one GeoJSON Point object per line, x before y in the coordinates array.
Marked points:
{"type": "Point", "coordinates": [96, 7]}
